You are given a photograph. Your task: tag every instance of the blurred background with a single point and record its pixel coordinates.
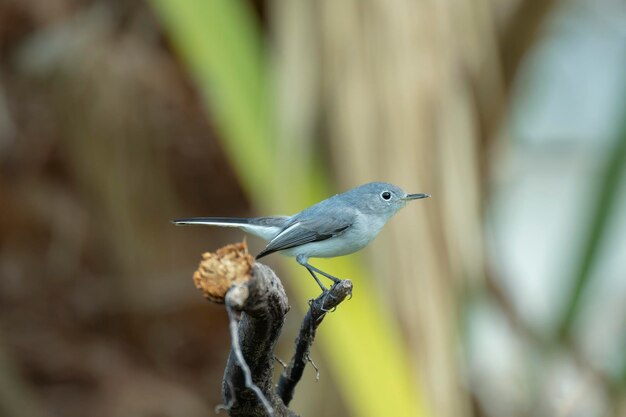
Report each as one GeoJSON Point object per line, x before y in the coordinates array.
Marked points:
{"type": "Point", "coordinates": [503, 295]}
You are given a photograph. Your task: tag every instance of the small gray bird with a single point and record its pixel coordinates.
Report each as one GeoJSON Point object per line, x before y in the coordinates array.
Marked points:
{"type": "Point", "coordinates": [337, 226]}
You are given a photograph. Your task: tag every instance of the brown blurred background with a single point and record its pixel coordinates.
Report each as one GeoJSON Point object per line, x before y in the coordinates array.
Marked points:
{"type": "Point", "coordinates": [505, 294]}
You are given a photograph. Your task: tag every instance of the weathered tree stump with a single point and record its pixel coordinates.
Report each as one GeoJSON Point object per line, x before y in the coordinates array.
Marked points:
{"type": "Point", "coordinates": [257, 304]}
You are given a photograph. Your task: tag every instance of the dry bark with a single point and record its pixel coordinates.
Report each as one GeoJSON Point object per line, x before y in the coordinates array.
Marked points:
{"type": "Point", "coordinates": [257, 304]}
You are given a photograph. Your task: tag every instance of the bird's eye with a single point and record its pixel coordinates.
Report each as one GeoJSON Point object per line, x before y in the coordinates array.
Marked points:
{"type": "Point", "coordinates": [386, 195]}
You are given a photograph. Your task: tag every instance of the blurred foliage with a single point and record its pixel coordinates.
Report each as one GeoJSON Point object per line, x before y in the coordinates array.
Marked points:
{"type": "Point", "coordinates": [104, 137]}
{"type": "Point", "coordinates": [224, 49]}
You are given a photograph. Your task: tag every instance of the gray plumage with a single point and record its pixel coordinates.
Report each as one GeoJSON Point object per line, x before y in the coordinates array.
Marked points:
{"type": "Point", "coordinates": [337, 226]}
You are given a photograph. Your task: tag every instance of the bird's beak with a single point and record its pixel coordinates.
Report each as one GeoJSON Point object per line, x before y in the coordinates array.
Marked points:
{"type": "Point", "coordinates": [415, 196]}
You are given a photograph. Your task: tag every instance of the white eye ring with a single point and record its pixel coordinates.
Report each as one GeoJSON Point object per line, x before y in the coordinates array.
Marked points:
{"type": "Point", "coordinates": [385, 195]}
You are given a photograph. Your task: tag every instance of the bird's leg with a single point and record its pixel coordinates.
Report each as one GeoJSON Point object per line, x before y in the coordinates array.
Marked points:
{"type": "Point", "coordinates": [303, 260]}
{"type": "Point", "coordinates": [324, 289]}
{"type": "Point", "coordinates": [326, 274]}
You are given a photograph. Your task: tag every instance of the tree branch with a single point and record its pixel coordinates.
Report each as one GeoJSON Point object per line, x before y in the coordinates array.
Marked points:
{"type": "Point", "coordinates": [327, 301]}
{"type": "Point", "coordinates": [262, 304]}
{"type": "Point", "coordinates": [257, 304]}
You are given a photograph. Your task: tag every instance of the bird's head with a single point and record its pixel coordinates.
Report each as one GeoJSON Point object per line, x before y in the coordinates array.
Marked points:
{"type": "Point", "coordinates": [382, 198]}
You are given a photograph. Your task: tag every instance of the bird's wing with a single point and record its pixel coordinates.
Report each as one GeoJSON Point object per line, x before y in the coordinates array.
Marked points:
{"type": "Point", "coordinates": [307, 229]}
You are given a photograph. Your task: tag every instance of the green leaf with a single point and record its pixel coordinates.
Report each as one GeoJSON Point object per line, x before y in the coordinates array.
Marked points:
{"type": "Point", "coordinates": [605, 198]}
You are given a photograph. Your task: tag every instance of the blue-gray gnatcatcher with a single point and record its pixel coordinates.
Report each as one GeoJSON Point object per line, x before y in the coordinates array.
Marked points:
{"type": "Point", "coordinates": [339, 225]}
